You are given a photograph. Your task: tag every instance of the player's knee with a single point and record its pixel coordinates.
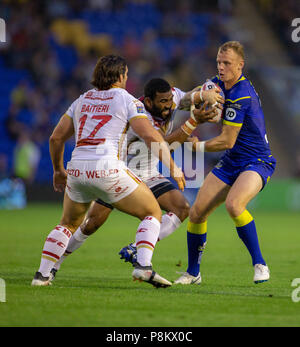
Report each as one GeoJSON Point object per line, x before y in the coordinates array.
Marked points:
{"type": "Point", "coordinates": [196, 215]}
{"type": "Point", "coordinates": [94, 221]}
{"type": "Point", "coordinates": [156, 214]}
{"type": "Point", "coordinates": [234, 207]}
{"type": "Point", "coordinates": [90, 225]}
{"type": "Point", "coordinates": [181, 210]}
{"type": "Point", "coordinates": [69, 225]}
{"type": "Point", "coordinates": [153, 210]}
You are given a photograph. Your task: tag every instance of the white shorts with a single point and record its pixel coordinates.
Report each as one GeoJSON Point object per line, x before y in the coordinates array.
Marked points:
{"type": "Point", "coordinates": [158, 184]}
{"type": "Point", "coordinates": [109, 180]}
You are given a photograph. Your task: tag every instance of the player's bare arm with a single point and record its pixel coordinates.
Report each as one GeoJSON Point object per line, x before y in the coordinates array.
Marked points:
{"type": "Point", "coordinates": [222, 142]}
{"type": "Point", "coordinates": [62, 132]}
{"type": "Point", "coordinates": [186, 101]}
{"type": "Point", "coordinates": [145, 130]}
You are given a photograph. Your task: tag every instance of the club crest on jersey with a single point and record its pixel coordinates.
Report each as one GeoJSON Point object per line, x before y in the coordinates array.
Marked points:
{"type": "Point", "coordinates": [219, 164]}
{"type": "Point", "coordinates": [230, 113]}
{"type": "Point", "coordinates": [140, 109]}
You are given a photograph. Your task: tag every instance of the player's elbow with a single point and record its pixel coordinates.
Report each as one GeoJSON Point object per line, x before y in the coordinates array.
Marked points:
{"type": "Point", "coordinates": [55, 139]}
{"type": "Point", "coordinates": [52, 138]}
{"type": "Point", "coordinates": [224, 145]}
{"type": "Point", "coordinates": [229, 143]}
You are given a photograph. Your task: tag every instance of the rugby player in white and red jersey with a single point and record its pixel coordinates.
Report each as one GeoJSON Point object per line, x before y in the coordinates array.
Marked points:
{"type": "Point", "coordinates": [160, 101]}
{"type": "Point", "coordinates": [99, 119]}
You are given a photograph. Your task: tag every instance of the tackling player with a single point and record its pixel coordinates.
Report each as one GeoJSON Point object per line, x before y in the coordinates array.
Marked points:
{"type": "Point", "coordinates": [161, 102]}
{"type": "Point", "coordinates": [242, 172]}
{"type": "Point", "coordinates": [98, 118]}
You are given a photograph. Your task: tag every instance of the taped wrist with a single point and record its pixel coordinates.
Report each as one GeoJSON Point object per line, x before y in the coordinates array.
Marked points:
{"type": "Point", "coordinates": [189, 126]}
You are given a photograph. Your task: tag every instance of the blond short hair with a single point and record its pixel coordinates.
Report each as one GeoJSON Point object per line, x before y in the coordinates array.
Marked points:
{"type": "Point", "coordinates": [236, 46]}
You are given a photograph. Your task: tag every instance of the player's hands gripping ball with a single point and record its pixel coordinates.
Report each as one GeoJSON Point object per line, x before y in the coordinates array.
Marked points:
{"type": "Point", "coordinates": [215, 99]}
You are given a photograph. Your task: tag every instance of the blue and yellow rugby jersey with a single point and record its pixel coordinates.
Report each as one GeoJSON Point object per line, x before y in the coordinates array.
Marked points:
{"type": "Point", "coordinates": [242, 108]}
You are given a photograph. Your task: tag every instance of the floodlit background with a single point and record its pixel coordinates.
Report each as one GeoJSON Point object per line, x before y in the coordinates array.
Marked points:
{"type": "Point", "coordinates": [52, 46]}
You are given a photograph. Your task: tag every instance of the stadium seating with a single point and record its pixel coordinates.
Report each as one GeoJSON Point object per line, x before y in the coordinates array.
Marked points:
{"type": "Point", "coordinates": [9, 79]}
{"type": "Point", "coordinates": [73, 37]}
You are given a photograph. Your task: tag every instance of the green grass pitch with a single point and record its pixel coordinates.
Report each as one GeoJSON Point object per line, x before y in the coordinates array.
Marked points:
{"type": "Point", "coordinates": [94, 287]}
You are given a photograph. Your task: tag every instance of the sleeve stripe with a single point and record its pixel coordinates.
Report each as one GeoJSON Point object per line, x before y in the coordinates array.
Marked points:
{"type": "Point", "coordinates": [138, 117]}
{"type": "Point", "coordinates": [232, 123]}
{"type": "Point", "coordinates": [233, 101]}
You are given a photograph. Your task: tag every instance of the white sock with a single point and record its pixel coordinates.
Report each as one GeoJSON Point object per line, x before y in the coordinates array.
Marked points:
{"type": "Point", "coordinates": [169, 223]}
{"type": "Point", "coordinates": [146, 238]}
{"type": "Point", "coordinates": [54, 247]}
{"type": "Point", "coordinates": [75, 242]}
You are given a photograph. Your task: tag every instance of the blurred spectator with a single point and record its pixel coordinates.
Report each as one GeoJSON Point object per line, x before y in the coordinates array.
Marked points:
{"type": "Point", "coordinates": [3, 166]}
{"type": "Point", "coordinates": [225, 6]}
{"type": "Point", "coordinates": [12, 189]}
{"type": "Point", "coordinates": [297, 171]}
{"type": "Point", "coordinates": [13, 126]}
{"type": "Point", "coordinates": [20, 95]}
{"type": "Point", "coordinates": [26, 157]}
{"type": "Point", "coordinates": [281, 14]}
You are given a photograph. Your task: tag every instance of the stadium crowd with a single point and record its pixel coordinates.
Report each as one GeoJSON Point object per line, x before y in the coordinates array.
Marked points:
{"type": "Point", "coordinates": [167, 39]}
{"type": "Point", "coordinates": [280, 14]}
{"type": "Point", "coordinates": [285, 81]}
{"type": "Point", "coordinates": [53, 46]}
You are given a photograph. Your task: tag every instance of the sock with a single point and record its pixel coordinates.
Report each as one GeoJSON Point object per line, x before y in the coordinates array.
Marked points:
{"type": "Point", "coordinates": [146, 238]}
{"type": "Point", "coordinates": [76, 241]}
{"type": "Point", "coordinates": [169, 223]}
{"type": "Point", "coordinates": [196, 241]}
{"type": "Point", "coordinates": [54, 247]}
{"type": "Point", "coordinates": [246, 230]}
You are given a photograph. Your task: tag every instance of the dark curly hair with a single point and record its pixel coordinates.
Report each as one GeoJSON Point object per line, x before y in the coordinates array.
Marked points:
{"type": "Point", "coordinates": [156, 85]}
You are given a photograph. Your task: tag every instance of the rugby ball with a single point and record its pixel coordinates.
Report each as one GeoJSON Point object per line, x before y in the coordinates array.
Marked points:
{"type": "Point", "coordinates": [211, 85]}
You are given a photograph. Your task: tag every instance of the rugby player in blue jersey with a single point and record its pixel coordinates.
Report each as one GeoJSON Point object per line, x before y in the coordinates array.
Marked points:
{"type": "Point", "coordinates": [242, 172]}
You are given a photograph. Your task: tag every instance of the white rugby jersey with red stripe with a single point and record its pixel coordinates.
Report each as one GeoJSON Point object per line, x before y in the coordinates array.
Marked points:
{"type": "Point", "coordinates": [101, 118]}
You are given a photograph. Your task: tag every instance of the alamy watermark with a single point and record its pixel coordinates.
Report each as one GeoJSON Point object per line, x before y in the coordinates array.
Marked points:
{"type": "Point", "coordinates": [296, 31]}
{"type": "Point", "coordinates": [2, 30]}
{"type": "Point", "coordinates": [144, 161]}
{"type": "Point", "coordinates": [2, 290]}
{"type": "Point", "coordinates": [296, 292]}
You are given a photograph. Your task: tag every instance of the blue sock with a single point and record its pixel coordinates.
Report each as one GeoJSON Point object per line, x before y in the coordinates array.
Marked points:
{"type": "Point", "coordinates": [246, 230]}
{"type": "Point", "coordinates": [196, 240]}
